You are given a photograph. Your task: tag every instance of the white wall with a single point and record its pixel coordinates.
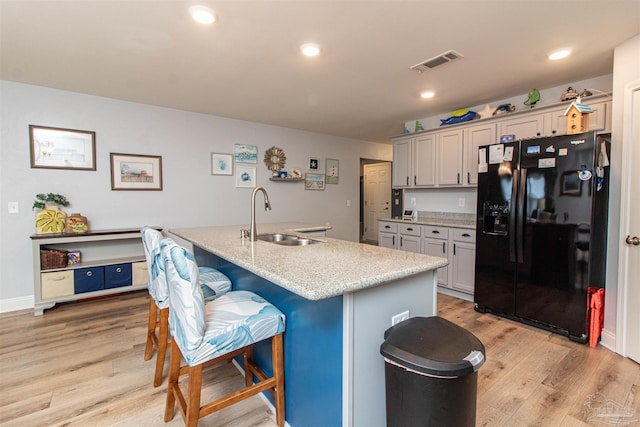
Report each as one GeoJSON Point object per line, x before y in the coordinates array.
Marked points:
{"type": "Point", "coordinates": [626, 69]}
{"type": "Point", "coordinates": [191, 196]}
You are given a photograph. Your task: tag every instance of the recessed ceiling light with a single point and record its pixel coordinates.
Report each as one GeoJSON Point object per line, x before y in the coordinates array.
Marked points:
{"type": "Point", "coordinates": [310, 49]}
{"type": "Point", "coordinates": [427, 95]}
{"type": "Point", "coordinates": [202, 14]}
{"type": "Point", "coordinates": [559, 54]}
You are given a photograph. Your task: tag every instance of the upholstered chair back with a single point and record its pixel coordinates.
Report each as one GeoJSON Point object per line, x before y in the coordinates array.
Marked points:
{"type": "Point", "coordinates": [186, 300]}
{"type": "Point", "coordinates": [157, 282]}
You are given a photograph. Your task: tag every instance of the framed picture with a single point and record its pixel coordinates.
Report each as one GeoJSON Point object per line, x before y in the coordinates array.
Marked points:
{"type": "Point", "coordinates": [314, 181]}
{"type": "Point", "coordinates": [221, 164]}
{"type": "Point", "coordinates": [245, 153]}
{"type": "Point", "coordinates": [245, 176]}
{"type": "Point", "coordinates": [136, 172]}
{"type": "Point", "coordinates": [57, 148]}
{"type": "Point", "coordinates": [313, 164]}
{"type": "Point", "coordinates": [571, 184]}
{"type": "Point", "coordinates": [332, 171]}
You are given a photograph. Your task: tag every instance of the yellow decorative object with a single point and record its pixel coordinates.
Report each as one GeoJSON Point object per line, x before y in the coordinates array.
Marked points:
{"type": "Point", "coordinates": [77, 223]}
{"type": "Point", "coordinates": [50, 220]}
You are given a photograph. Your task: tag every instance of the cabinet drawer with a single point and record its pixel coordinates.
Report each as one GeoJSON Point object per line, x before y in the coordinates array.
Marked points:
{"type": "Point", "coordinates": [388, 227]}
{"type": "Point", "coordinates": [410, 229]}
{"type": "Point", "coordinates": [435, 232]}
{"type": "Point", "coordinates": [88, 279]}
{"type": "Point", "coordinates": [464, 235]}
{"type": "Point", "coordinates": [117, 275]}
{"type": "Point", "coordinates": [56, 284]}
{"type": "Point", "coordinates": [139, 273]}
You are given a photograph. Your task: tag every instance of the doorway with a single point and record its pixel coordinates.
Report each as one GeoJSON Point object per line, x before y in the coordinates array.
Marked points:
{"type": "Point", "coordinates": [375, 197]}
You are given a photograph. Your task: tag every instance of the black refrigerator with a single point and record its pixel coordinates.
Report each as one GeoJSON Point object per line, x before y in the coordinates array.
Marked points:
{"type": "Point", "coordinates": [541, 230]}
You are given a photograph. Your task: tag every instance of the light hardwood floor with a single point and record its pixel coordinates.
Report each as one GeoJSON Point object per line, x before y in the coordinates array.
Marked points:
{"type": "Point", "coordinates": [81, 364]}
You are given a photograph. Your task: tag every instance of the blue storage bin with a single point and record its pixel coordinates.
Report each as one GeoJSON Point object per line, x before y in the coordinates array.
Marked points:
{"type": "Point", "coordinates": [88, 279]}
{"type": "Point", "coordinates": [117, 275]}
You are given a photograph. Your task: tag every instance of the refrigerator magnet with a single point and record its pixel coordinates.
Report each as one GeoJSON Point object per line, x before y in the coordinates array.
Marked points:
{"type": "Point", "coordinates": [508, 154]}
{"type": "Point", "coordinates": [563, 152]}
{"type": "Point", "coordinates": [547, 163]}
{"type": "Point", "coordinates": [496, 154]}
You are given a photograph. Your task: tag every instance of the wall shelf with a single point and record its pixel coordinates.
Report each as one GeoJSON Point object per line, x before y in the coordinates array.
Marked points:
{"type": "Point", "coordinates": [273, 178]}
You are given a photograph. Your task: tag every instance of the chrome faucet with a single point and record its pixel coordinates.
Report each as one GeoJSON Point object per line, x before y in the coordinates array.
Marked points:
{"type": "Point", "coordinates": [253, 234]}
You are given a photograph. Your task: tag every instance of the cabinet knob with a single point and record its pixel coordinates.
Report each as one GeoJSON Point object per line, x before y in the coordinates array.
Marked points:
{"type": "Point", "coordinates": [118, 270]}
{"type": "Point", "coordinates": [409, 229]}
{"type": "Point", "coordinates": [387, 227]}
{"type": "Point", "coordinates": [89, 273]}
{"type": "Point", "coordinates": [466, 235]}
{"type": "Point", "coordinates": [435, 232]}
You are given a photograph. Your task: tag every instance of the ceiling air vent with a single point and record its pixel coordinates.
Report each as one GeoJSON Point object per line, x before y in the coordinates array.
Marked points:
{"type": "Point", "coordinates": [436, 61]}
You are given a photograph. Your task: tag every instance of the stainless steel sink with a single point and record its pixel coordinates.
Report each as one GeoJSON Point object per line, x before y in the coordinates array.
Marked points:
{"type": "Point", "coordinates": [287, 239]}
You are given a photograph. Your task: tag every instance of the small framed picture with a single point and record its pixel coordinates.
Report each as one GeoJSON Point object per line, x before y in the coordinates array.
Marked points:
{"type": "Point", "coordinates": [313, 164]}
{"type": "Point", "coordinates": [332, 171]}
{"type": "Point", "coordinates": [314, 181]}
{"type": "Point", "coordinates": [136, 172]}
{"type": "Point", "coordinates": [57, 148]}
{"type": "Point", "coordinates": [245, 176]}
{"type": "Point", "coordinates": [245, 153]}
{"type": "Point", "coordinates": [221, 164]}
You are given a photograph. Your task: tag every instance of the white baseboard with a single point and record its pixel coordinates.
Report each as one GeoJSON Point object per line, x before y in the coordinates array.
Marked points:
{"type": "Point", "coordinates": [454, 293]}
{"type": "Point", "coordinates": [608, 340]}
{"type": "Point", "coordinates": [15, 304]}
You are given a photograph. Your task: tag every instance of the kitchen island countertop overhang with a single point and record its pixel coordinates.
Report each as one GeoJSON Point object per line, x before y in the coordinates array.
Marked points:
{"type": "Point", "coordinates": [330, 268]}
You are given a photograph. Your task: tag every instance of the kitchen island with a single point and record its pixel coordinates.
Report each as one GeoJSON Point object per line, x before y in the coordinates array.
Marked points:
{"type": "Point", "coordinates": [338, 297]}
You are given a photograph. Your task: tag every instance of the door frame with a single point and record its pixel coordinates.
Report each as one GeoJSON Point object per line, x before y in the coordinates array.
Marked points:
{"type": "Point", "coordinates": [625, 309]}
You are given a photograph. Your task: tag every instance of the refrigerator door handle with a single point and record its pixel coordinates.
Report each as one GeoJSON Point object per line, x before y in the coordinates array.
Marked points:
{"type": "Point", "coordinates": [521, 214]}
{"type": "Point", "coordinates": [513, 216]}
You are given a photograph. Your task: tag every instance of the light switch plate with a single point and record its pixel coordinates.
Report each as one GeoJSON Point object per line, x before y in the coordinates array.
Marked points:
{"type": "Point", "coordinates": [14, 207]}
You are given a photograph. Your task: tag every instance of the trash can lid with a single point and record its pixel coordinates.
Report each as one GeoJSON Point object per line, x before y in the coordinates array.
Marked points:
{"type": "Point", "coordinates": [433, 346]}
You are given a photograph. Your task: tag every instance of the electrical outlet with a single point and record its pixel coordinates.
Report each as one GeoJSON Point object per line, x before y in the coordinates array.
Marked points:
{"type": "Point", "coordinates": [413, 201]}
{"type": "Point", "coordinates": [399, 317]}
{"type": "Point", "coordinates": [14, 208]}
{"type": "Point", "coordinates": [461, 202]}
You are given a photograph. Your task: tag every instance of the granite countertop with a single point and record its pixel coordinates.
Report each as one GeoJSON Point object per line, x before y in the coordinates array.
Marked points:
{"type": "Point", "coordinates": [442, 219]}
{"type": "Point", "coordinates": [323, 270]}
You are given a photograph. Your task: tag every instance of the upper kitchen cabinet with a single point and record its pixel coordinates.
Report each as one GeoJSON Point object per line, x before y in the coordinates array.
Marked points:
{"type": "Point", "coordinates": [599, 120]}
{"type": "Point", "coordinates": [474, 137]}
{"type": "Point", "coordinates": [523, 126]}
{"type": "Point", "coordinates": [414, 161]}
{"type": "Point", "coordinates": [450, 154]}
{"type": "Point", "coordinates": [402, 174]}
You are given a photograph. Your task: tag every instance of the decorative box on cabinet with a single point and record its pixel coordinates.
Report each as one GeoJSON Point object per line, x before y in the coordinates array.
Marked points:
{"type": "Point", "coordinates": [112, 261]}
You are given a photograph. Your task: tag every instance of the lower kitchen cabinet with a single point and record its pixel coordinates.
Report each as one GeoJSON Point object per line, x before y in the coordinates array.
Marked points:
{"type": "Point", "coordinates": [463, 260]}
{"type": "Point", "coordinates": [457, 245]}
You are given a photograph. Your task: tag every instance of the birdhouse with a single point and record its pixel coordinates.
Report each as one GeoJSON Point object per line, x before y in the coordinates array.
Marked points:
{"type": "Point", "coordinates": [577, 117]}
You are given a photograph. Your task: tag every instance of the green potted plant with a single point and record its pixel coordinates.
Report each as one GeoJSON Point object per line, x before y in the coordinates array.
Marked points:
{"type": "Point", "coordinates": [50, 219]}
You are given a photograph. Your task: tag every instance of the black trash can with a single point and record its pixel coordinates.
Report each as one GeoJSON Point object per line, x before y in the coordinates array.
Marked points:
{"type": "Point", "coordinates": [431, 374]}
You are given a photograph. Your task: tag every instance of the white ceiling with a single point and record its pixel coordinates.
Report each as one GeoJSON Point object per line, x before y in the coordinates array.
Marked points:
{"type": "Point", "coordinates": [247, 66]}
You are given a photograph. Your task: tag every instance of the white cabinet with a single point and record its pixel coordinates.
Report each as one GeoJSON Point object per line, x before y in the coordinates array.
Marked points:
{"type": "Point", "coordinates": [436, 243]}
{"type": "Point", "coordinates": [387, 233]}
{"type": "Point", "coordinates": [401, 236]}
{"type": "Point", "coordinates": [458, 246]}
{"type": "Point", "coordinates": [409, 235]}
{"type": "Point", "coordinates": [474, 137]}
{"type": "Point", "coordinates": [112, 261]}
{"type": "Point", "coordinates": [450, 157]}
{"type": "Point", "coordinates": [402, 175]}
{"type": "Point", "coordinates": [599, 120]}
{"type": "Point", "coordinates": [414, 161]}
{"type": "Point", "coordinates": [523, 126]}
{"type": "Point", "coordinates": [425, 160]}
{"type": "Point", "coordinates": [463, 260]}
